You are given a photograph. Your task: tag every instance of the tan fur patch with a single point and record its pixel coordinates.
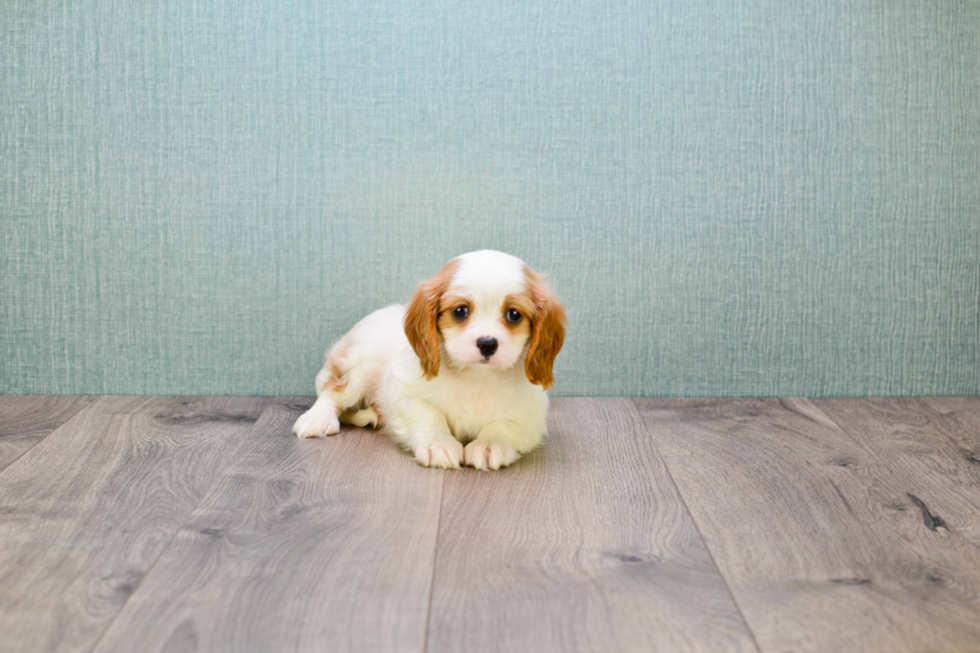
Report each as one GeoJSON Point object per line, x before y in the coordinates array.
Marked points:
{"type": "Point", "coordinates": [447, 305]}
{"type": "Point", "coordinates": [447, 321]}
{"type": "Point", "coordinates": [422, 315]}
{"type": "Point", "coordinates": [377, 411]}
{"type": "Point", "coordinates": [523, 304]}
{"type": "Point", "coordinates": [452, 300]}
{"type": "Point", "coordinates": [547, 331]}
{"type": "Point", "coordinates": [335, 366]}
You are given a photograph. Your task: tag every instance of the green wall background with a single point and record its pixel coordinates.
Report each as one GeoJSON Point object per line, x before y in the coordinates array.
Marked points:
{"type": "Point", "coordinates": [742, 197]}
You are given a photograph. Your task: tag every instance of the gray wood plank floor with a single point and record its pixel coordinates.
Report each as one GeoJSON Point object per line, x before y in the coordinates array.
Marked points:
{"type": "Point", "coordinates": [816, 526]}
{"type": "Point", "coordinates": [25, 420]}
{"type": "Point", "coordinates": [929, 447]}
{"type": "Point", "coordinates": [585, 546]}
{"type": "Point", "coordinates": [300, 546]}
{"type": "Point", "coordinates": [87, 511]}
{"type": "Point", "coordinates": [203, 524]}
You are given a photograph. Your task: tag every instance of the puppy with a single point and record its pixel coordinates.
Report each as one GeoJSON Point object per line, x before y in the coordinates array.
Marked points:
{"type": "Point", "coordinates": [466, 362]}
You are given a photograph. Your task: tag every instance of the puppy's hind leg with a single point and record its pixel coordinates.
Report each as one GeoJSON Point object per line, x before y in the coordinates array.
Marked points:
{"type": "Point", "coordinates": [332, 392]}
{"type": "Point", "coordinates": [363, 417]}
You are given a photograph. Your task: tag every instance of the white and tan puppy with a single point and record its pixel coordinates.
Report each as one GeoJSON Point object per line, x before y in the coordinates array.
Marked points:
{"type": "Point", "coordinates": [466, 362]}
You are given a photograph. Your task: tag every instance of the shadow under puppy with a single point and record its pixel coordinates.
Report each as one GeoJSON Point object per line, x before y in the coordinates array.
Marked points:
{"type": "Point", "coordinates": [466, 362]}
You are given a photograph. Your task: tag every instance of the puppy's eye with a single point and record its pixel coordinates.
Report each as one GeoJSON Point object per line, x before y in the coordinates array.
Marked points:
{"type": "Point", "coordinates": [513, 316]}
{"type": "Point", "coordinates": [460, 312]}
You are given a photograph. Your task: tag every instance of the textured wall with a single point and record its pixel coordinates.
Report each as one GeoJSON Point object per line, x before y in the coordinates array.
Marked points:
{"type": "Point", "coordinates": [743, 197]}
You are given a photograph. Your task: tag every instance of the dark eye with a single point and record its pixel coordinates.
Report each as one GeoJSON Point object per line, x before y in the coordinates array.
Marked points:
{"type": "Point", "coordinates": [460, 312]}
{"type": "Point", "coordinates": [513, 316]}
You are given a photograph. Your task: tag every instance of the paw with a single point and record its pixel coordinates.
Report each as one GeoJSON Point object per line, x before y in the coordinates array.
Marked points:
{"type": "Point", "coordinates": [445, 455]}
{"type": "Point", "coordinates": [489, 455]}
{"type": "Point", "coordinates": [316, 424]}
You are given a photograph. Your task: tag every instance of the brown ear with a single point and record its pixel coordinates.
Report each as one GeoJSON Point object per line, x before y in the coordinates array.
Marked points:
{"type": "Point", "coordinates": [547, 332]}
{"type": "Point", "coordinates": [421, 318]}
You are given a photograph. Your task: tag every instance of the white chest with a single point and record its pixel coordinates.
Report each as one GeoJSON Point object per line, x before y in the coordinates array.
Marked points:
{"type": "Point", "coordinates": [471, 401]}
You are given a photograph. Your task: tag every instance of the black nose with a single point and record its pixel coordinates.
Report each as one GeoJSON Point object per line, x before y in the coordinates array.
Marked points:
{"type": "Point", "coordinates": [487, 346]}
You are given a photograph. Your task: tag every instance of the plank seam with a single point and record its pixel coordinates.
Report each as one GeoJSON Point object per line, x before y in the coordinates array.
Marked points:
{"type": "Point", "coordinates": [77, 412]}
{"type": "Point", "coordinates": [435, 558]}
{"type": "Point", "coordinates": [190, 513]}
{"type": "Point", "coordinates": [697, 527]}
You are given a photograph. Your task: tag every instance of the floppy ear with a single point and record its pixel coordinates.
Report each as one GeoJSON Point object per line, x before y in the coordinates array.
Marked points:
{"type": "Point", "coordinates": [421, 318]}
{"type": "Point", "coordinates": [547, 332]}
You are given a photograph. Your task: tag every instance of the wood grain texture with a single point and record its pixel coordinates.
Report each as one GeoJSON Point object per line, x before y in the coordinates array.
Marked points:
{"type": "Point", "coordinates": [958, 418]}
{"type": "Point", "coordinates": [931, 446]}
{"type": "Point", "coordinates": [88, 510]}
{"type": "Point", "coordinates": [583, 545]}
{"type": "Point", "coordinates": [25, 420]}
{"type": "Point", "coordinates": [322, 545]}
{"type": "Point", "coordinates": [823, 547]}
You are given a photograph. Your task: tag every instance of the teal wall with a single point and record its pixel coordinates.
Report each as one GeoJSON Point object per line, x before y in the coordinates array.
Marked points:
{"type": "Point", "coordinates": [742, 197]}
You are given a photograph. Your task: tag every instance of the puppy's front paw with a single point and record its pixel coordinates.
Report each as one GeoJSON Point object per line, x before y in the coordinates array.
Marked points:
{"type": "Point", "coordinates": [316, 424]}
{"type": "Point", "coordinates": [489, 455]}
{"type": "Point", "coordinates": [446, 455]}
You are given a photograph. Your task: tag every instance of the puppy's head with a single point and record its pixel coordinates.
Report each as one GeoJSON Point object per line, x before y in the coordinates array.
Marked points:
{"type": "Point", "coordinates": [486, 310]}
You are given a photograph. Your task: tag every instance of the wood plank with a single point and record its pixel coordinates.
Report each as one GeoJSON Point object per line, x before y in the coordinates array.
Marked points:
{"type": "Point", "coordinates": [958, 418]}
{"type": "Point", "coordinates": [821, 545]}
{"type": "Point", "coordinates": [929, 446]}
{"type": "Point", "coordinates": [25, 420]}
{"type": "Point", "coordinates": [301, 545]}
{"type": "Point", "coordinates": [90, 508]}
{"type": "Point", "coordinates": [583, 545]}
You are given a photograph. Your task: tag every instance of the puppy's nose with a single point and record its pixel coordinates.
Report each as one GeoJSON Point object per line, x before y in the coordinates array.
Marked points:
{"type": "Point", "coordinates": [487, 346]}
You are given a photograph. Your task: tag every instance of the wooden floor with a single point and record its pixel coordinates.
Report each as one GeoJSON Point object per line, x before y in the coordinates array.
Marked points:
{"type": "Point", "coordinates": [202, 524]}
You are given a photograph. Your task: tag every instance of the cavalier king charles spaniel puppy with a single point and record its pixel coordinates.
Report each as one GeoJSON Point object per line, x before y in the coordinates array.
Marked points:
{"type": "Point", "coordinates": [467, 362]}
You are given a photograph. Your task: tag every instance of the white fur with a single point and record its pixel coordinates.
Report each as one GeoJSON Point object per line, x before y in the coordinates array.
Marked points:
{"type": "Point", "coordinates": [489, 406]}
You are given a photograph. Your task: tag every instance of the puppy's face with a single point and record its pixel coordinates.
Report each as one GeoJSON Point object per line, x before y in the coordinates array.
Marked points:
{"type": "Point", "coordinates": [486, 310]}
{"type": "Point", "coordinates": [485, 316]}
